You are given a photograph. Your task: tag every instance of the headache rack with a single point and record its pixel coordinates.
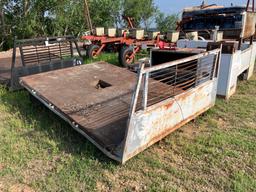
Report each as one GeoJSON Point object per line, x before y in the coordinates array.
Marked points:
{"type": "Point", "coordinates": [32, 56]}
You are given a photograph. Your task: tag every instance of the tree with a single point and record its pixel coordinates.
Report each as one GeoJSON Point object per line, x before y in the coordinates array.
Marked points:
{"type": "Point", "coordinates": [148, 13]}
{"type": "Point", "coordinates": [35, 18]}
{"type": "Point", "coordinates": [67, 18]}
{"type": "Point", "coordinates": [2, 25]}
{"type": "Point", "coordinates": [166, 23]}
{"type": "Point", "coordinates": [142, 11]}
{"type": "Point", "coordinates": [21, 22]}
{"type": "Point", "coordinates": [105, 13]}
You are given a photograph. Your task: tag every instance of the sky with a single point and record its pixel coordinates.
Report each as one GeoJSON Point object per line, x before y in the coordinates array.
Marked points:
{"type": "Point", "coordinates": [176, 6]}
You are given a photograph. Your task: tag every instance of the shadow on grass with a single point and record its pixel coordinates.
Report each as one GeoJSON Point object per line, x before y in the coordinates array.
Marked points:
{"type": "Point", "coordinates": [32, 112]}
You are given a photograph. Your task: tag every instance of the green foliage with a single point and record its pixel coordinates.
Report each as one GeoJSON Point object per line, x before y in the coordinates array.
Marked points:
{"type": "Point", "coordinates": [166, 23]}
{"type": "Point", "coordinates": [105, 13]}
{"type": "Point", "coordinates": [36, 18]}
{"type": "Point", "coordinates": [142, 11]}
{"type": "Point", "coordinates": [67, 18]}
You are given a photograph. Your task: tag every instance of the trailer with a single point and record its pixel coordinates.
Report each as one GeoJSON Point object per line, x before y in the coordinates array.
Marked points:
{"type": "Point", "coordinates": [123, 115]}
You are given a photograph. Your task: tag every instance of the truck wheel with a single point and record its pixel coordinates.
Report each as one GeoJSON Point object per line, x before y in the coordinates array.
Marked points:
{"type": "Point", "coordinates": [124, 56]}
{"type": "Point", "coordinates": [92, 51]}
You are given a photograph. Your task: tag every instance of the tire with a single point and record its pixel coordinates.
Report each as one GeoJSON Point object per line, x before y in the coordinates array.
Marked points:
{"type": "Point", "coordinates": [91, 50]}
{"type": "Point", "coordinates": [124, 53]}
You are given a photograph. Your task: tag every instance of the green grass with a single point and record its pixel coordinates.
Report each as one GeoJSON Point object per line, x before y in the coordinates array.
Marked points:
{"type": "Point", "coordinates": [216, 152]}
{"type": "Point", "coordinates": [110, 58]}
{"type": "Point", "coordinates": [113, 58]}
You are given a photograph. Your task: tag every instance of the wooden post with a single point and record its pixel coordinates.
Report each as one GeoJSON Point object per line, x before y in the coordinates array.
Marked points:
{"type": "Point", "coordinates": [2, 26]}
{"type": "Point", "coordinates": [87, 15]}
{"type": "Point", "coordinates": [25, 7]}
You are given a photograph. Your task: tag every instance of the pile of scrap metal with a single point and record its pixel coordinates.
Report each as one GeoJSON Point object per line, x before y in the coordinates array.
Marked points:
{"type": "Point", "coordinates": [236, 22]}
{"type": "Point", "coordinates": [234, 29]}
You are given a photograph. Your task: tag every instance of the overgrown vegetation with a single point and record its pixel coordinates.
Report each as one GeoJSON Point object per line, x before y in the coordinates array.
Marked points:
{"type": "Point", "coordinates": [216, 152]}
{"type": "Point", "coordinates": [35, 18]}
{"type": "Point", "coordinates": [166, 22]}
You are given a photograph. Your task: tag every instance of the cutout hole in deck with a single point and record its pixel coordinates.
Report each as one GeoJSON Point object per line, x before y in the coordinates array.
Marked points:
{"type": "Point", "coordinates": [102, 84]}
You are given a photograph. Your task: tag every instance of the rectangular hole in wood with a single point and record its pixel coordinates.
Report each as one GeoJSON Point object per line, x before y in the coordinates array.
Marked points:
{"type": "Point", "coordinates": [102, 84]}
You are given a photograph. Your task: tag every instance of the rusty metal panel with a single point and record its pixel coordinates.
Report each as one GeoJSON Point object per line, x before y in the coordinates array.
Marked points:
{"type": "Point", "coordinates": [94, 99]}
{"type": "Point", "coordinates": [190, 89]}
{"type": "Point", "coordinates": [149, 126]}
{"type": "Point", "coordinates": [249, 22]}
{"type": "Point", "coordinates": [234, 22]}
{"type": "Point", "coordinates": [22, 71]}
{"type": "Point", "coordinates": [6, 64]}
{"type": "Point", "coordinates": [31, 56]}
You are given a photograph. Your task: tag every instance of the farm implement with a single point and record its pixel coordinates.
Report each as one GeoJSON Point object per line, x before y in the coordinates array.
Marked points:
{"type": "Point", "coordinates": [127, 42]}
{"type": "Point", "coordinates": [126, 46]}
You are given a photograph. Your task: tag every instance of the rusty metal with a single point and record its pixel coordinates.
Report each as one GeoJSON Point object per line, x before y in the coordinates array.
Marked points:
{"type": "Point", "coordinates": [235, 62]}
{"type": "Point", "coordinates": [238, 52]}
{"type": "Point", "coordinates": [31, 56]}
{"type": "Point", "coordinates": [130, 21]}
{"type": "Point", "coordinates": [227, 47]}
{"type": "Point", "coordinates": [103, 105]}
{"type": "Point", "coordinates": [148, 125]}
{"type": "Point", "coordinates": [99, 113]}
{"type": "Point", "coordinates": [248, 6]}
{"type": "Point", "coordinates": [235, 22]}
{"type": "Point", "coordinates": [249, 22]}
